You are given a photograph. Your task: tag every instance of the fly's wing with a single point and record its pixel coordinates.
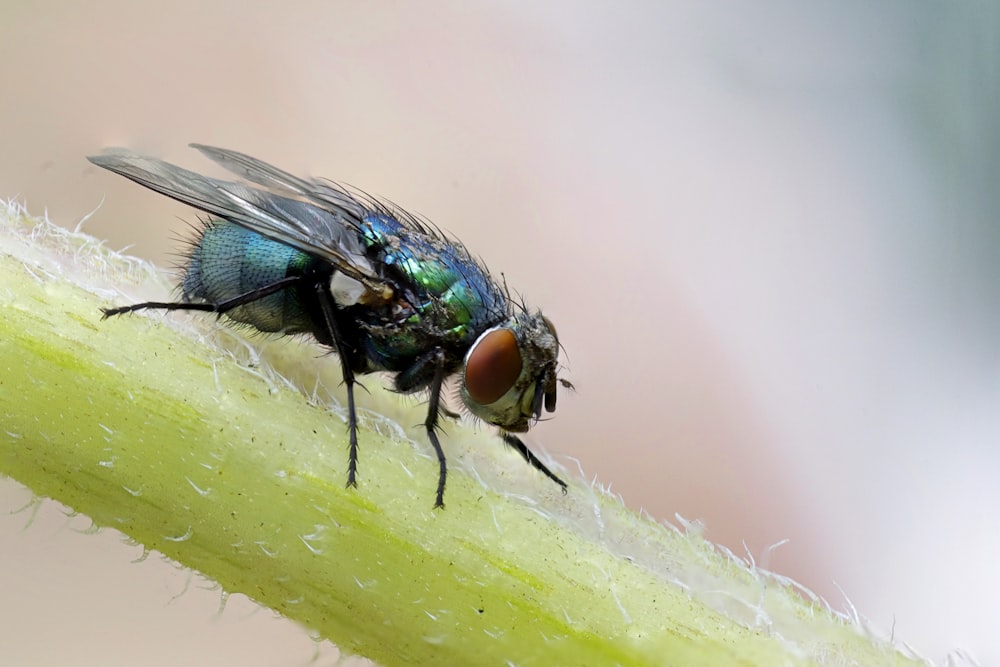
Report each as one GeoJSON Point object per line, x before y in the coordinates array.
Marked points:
{"type": "Point", "coordinates": [327, 229]}
{"type": "Point", "coordinates": [281, 182]}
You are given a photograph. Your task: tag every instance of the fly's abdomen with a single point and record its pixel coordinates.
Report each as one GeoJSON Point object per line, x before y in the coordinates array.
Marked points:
{"type": "Point", "coordinates": [228, 261]}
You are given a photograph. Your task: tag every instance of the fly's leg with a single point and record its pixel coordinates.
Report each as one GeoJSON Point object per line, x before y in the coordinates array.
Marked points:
{"type": "Point", "coordinates": [433, 414]}
{"type": "Point", "coordinates": [522, 449]}
{"type": "Point", "coordinates": [428, 371]}
{"type": "Point", "coordinates": [330, 318]}
{"type": "Point", "coordinates": [219, 308]}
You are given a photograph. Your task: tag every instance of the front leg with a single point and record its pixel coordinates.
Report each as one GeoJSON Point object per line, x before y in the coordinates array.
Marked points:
{"type": "Point", "coordinates": [518, 446]}
{"type": "Point", "coordinates": [433, 414]}
{"type": "Point", "coordinates": [429, 370]}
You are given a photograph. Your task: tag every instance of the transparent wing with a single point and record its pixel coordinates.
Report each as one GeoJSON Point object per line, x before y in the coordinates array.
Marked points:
{"type": "Point", "coordinates": [281, 182]}
{"type": "Point", "coordinates": [327, 224]}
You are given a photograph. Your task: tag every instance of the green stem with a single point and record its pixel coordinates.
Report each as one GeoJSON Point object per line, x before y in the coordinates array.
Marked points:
{"type": "Point", "coordinates": [197, 444]}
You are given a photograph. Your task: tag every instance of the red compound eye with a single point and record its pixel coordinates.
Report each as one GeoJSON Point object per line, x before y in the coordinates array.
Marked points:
{"type": "Point", "coordinates": [493, 366]}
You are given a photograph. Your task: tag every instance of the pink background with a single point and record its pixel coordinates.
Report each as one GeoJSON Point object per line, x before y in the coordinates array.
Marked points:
{"type": "Point", "coordinates": [766, 232]}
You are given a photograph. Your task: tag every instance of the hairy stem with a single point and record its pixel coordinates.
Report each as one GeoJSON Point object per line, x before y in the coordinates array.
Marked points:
{"type": "Point", "coordinates": [231, 458]}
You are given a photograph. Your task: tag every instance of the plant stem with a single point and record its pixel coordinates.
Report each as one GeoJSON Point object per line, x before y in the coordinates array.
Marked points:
{"type": "Point", "coordinates": [230, 457]}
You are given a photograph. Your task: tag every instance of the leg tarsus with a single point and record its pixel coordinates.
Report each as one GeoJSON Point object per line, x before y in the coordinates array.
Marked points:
{"type": "Point", "coordinates": [352, 461]}
{"type": "Point", "coordinates": [442, 468]}
{"type": "Point", "coordinates": [156, 305]}
{"type": "Point", "coordinates": [518, 445]}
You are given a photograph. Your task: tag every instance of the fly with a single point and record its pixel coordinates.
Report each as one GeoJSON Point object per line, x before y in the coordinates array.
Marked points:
{"type": "Point", "coordinates": [383, 290]}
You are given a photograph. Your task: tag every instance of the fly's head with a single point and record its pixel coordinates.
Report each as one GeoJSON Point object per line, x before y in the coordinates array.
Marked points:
{"type": "Point", "coordinates": [509, 373]}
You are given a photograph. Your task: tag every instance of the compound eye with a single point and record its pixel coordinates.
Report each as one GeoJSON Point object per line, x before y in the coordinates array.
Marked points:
{"type": "Point", "coordinates": [493, 366]}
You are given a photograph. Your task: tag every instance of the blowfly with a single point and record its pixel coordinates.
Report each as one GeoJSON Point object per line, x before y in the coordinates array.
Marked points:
{"type": "Point", "coordinates": [383, 290]}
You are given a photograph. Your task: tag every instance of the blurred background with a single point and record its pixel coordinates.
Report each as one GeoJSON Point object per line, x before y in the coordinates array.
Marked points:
{"type": "Point", "coordinates": [767, 231]}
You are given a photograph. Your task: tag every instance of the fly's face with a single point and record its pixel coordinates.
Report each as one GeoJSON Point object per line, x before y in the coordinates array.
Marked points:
{"type": "Point", "coordinates": [510, 372]}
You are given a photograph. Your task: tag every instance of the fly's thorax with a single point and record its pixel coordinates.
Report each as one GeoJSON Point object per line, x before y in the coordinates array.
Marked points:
{"type": "Point", "coordinates": [510, 372]}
